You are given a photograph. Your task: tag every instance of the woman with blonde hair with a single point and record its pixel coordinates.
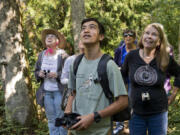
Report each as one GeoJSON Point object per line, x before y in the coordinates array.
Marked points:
{"type": "Point", "coordinates": [147, 67]}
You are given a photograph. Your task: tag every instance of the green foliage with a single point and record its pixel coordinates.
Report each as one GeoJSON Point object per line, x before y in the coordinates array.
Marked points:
{"type": "Point", "coordinates": [41, 14]}
{"type": "Point", "coordinates": [48, 13]}
{"type": "Point", "coordinates": [118, 15]}
{"type": "Point", "coordinates": [167, 12]}
{"type": "Point", "coordinates": [174, 115]}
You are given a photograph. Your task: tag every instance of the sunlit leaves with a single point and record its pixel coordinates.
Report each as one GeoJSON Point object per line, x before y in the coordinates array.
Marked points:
{"type": "Point", "coordinates": [168, 13]}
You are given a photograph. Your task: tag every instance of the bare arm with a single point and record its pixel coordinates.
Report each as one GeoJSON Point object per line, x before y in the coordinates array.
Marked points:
{"type": "Point", "coordinates": [118, 105]}
{"type": "Point", "coordinates": [87, 120]}
{"type": "Point", "coordinates": [68, 108]}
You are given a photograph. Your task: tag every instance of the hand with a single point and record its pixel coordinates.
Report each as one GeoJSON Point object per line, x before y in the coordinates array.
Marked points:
{"type": "Point", "coordinates": [41, 74]}
{"type": "Point", "coordinates": [52, 75]}
{"type": "Point", "coordinates": [64, 55]}
{"type": "Point", "coordinates": [84, 123]}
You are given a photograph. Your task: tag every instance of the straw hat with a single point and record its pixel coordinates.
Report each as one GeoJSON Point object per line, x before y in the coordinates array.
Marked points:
{"type": "Point", "coordinates": [62, 40]}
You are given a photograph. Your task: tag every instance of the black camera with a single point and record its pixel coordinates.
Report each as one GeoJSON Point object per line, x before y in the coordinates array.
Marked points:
{"type": "Point", "coordinates": [46, 71]}
{"type": "Point", "coordinates": [67, 120]}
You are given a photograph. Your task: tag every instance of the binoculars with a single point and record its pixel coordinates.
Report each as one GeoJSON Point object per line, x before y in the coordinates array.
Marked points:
{"type": "Point", "coordinates": [46, 71]}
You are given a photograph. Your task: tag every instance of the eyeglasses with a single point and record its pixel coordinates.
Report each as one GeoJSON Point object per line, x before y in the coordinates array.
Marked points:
{"type": "Point", "coordinates": [128, 34]}
{"type": "Point", "coordinates": [50, 36]}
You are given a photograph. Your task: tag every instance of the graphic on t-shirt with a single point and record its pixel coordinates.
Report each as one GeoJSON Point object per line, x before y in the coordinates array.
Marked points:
{"type": "Point", "coordinates": [146, 75]}
{"type": "Point", "coordinates": [87, 83]}
{"type": "Point", "coordinates": [49, 64]}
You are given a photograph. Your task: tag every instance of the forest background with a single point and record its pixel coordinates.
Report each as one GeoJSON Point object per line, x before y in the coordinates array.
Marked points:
{"type": "Point", "coordinates": [28, 18]}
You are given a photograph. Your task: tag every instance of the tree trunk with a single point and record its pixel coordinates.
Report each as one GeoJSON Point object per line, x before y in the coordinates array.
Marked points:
{"type": "Point", "coordinates": [77, 15]}
{"type": "Point", "coordinates": [13, 63]}
{"type": "Point", "coordinates": [179, 45]}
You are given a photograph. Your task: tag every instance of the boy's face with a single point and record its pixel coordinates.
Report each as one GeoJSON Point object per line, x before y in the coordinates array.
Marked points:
{"type": "Point", "coordinates": [90, 33]}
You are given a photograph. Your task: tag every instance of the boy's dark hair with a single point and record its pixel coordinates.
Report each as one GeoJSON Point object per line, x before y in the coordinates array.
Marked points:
{"type": "Point", "coordinates": [101, 27]}
{"type": "Point", "coordinates": [129, 31]}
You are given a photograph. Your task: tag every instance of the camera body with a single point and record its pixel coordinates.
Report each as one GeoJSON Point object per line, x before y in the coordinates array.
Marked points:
{"type": "Point", "coordinates": [67, 120]}
{"type": "Point", "coordinates": [145, 96]}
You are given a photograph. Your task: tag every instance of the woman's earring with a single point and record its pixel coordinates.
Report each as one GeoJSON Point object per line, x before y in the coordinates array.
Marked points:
{"type": "Point", "coordinates": [57, 42]}
{"type": "Point", "coordinates": [158, 47]}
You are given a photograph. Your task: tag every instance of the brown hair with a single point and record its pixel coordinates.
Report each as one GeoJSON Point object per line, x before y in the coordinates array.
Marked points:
{"type": "Point", "coordinates": [162, 56]}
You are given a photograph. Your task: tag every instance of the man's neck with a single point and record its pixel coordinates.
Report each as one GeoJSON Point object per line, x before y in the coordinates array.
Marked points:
{"type": "Point", "coordinates": [92, 52]}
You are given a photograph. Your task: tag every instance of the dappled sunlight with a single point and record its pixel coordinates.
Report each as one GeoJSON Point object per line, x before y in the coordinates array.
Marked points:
{"type": "Point", "coordinates": [10, 87]}
{"type": "Point", "coordinates": [10, 15]}
{"type": "Point", "coordinates": [1, 5]}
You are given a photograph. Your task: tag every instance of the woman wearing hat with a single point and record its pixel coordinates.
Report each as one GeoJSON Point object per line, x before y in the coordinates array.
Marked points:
{"type": "Point", "coordinates": [48, 71]}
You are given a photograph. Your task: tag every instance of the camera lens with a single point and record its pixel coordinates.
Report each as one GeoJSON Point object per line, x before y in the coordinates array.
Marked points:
{"type": "Point", "coordinates": [44, 72]}
{"type": "Point", "coordinates": [60, 122]}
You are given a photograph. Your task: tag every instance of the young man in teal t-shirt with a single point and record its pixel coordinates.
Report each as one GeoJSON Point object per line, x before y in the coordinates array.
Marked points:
{"type": "Point", "coordinates": [87, 97]}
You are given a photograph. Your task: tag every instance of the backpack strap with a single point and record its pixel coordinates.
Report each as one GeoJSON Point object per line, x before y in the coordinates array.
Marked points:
{"type": "Point", "coordinates": [77, 62]}
{"type": "Point", "coordinates": [60, 65]}
{"type": "Point", "coordinates": [103, 78]}
{"type": "Point", "coordinates": [102, 73]}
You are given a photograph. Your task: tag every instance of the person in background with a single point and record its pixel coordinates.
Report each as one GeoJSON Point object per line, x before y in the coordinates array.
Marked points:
{"type": "Point", "coordinates": [147, 68]}
{"type": "Point", "coordinates": [124, 48]}
{"type": "Point", "coordinates": [66, 69]}
{"type": "Point", "coordinates": [87, 97]}
{"type": "Point", "coordinates": [48, 71]}
{"type": "Point", "coordinates": [167, 84]}
{"type": "Point", "coordinates": [68, 63]}
{"type": "Point", "coordinates": [129, 44]}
